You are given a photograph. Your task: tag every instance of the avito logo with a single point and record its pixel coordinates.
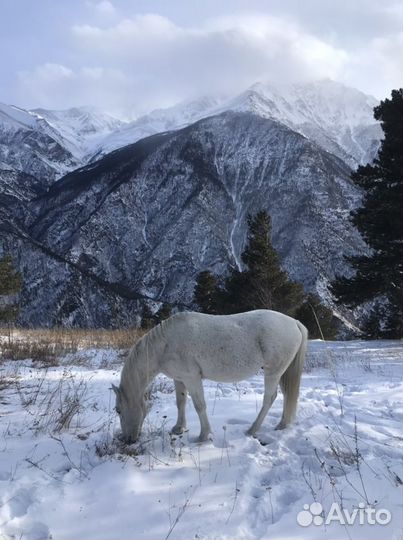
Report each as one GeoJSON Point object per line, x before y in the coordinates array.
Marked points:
{"type": "Point", "coordinates": [313, 514]}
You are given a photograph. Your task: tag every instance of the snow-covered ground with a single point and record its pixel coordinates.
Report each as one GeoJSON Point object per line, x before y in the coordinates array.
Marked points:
{"type": "Point", "coordinates": [64, 476]}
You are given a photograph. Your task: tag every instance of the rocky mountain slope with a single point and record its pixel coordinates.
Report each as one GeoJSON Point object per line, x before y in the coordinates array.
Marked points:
{"type": "Point", "coordinates": [338, 118]}
{"type": "Point", "coordinates": [48, 144]}
{"type": "Point", "coordinates": [144, 220]}
{"type": "Point", "coordinates": [28, 144]}
{"type": "Point", "coordinates": [159, 121]}
{"type": "Point", "coordinates": [82, 128]}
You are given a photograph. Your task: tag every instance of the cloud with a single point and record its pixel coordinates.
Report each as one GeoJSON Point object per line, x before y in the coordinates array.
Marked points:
{"type": "Point", "coordinates": [45, 80]}
{"type": "Point", "coordinates": [102, 9]}
{"type": "Point", "coordinates": [56, 86]}
{"type": "Point", "coordinates": [149, 61]}
{"type": "Point", "coordinates": [106, 8]}
{"type": "Point", "coordinates": [376, 63]}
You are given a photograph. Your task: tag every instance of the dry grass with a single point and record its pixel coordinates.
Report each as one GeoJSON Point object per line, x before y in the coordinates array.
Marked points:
{"type": "Point", "coordinates": [59, 409]}
{"type": "Point", "coordinates": [5, 382]}
{"type": "Point", "coordinates": [47, 345]}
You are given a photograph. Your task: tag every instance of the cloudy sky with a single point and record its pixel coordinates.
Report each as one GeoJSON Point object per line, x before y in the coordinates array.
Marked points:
{"type": "Point", "coordinates": [130, 56]}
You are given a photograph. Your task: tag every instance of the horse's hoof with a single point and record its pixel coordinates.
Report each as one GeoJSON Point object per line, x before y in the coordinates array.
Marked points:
{"type": "Point", "coordinates": [205, 438]}
{"type": "Point", "coordinates": [250, 433]}
{"type": "Point", "coordinates": [178, 430]}
{"type": "Point", "coordinates": [280, 425]}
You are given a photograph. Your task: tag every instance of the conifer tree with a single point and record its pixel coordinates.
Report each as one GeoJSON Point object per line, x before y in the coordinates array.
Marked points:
{"type": "Point", "coordinates": [261, 285]}
{"type": "Point", "coordinates": [378, 276]}
{"type": "Point", "coordinates": [10, 285]}
{"type": "Point", "coordinates": [164, 312]}
{"type": "Point", "coordinates": [150, 319]}
{"type": "Point", "coordinates": [318, 318]}
{"type": "Point", "coordinates": [146, 317]}
{"type": "Point", "coordinates": [206, 292]}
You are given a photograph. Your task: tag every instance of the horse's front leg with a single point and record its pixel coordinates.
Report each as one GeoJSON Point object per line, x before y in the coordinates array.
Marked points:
{"type": "Point", "coordinates": [196, 392]}
{"type": "Point", "coordinates": [181, 395]}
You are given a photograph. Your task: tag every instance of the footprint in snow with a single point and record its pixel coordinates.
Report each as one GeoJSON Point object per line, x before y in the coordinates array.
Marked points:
{"type": "Point", "coordinates": [237, 421]}
{"type": "Point", "coordinates": [19, 503]}
{"type": "Point", "coordinates": [4, 476]}
{"type": "Point", "coordinates": [28, 530]}
{"type": "Point", "coordinates": [19, 523]}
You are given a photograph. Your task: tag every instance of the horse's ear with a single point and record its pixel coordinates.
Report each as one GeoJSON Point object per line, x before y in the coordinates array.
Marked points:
{"type": "Point", "coordinates": [115, 389]}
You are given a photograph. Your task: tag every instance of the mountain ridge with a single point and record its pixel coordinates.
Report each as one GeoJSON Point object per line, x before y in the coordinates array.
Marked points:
{"type": "Point", "coordinates": [57, 142]}
{"type": "Point", "coordinates": [178, 206]}
{"type": "Point", "coordinates": [293, 105]}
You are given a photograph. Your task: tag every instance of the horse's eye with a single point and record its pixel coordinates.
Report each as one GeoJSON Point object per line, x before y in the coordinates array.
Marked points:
{"type": "Point", "coordinates": [117, 410]}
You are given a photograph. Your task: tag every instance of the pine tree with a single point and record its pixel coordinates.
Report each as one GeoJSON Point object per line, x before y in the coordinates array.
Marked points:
{"type": "Point", "coordinates": [378, 276]}
{"type": "Point", "coordinates": [164, 312]}
{"type": "Point", "coordinates": [318, 318]}
{"type": "Point", "coordinates": [261, 285]}
{"type": "Point", "coordinates": [146, 317]}
{"type": "Point", "coordinates": [10, 285]}
{"type": "Point", "coordinates": [370, 326]}
{"type": "Point", "coordinates": [150, 319]}
{"type": "Point", "coordinates": [206, 291]}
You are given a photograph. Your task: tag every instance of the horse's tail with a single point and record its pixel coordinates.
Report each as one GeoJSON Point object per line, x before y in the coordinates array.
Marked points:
{"type": "Point", "coordinates": [291, 378]}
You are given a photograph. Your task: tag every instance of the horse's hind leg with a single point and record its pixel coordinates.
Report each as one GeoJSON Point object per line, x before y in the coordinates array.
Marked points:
{"type": "Point", "coordinates": [181, 395]}
{"type": "Point", "coordinates": [196, 392]}
{"type": "Point", "coordinates": [270, 394]}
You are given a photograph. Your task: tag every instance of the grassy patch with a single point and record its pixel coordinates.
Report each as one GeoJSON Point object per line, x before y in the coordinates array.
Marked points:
{"type": "Point", "coordinates": [47, 345]}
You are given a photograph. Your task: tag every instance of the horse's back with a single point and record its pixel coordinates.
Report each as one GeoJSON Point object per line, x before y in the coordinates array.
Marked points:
{"type": "Point", "coordinates": [231, 347]}
{"type": "Point", "coordinates": [273, 324]}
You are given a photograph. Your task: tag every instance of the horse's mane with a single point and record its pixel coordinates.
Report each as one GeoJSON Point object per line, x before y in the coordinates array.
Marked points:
{"type": "Point", "coordinates": [158, 333]}
{"type": "Point", "coordinates": [143, 357]}
{"type": "Point", "coordinates": [155, 336]}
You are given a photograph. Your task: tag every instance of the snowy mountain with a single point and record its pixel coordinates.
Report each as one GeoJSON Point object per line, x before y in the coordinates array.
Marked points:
{"type": "Point", "coordinates": [338, 118]}
{"type": "Point", "coordinates": [49, 144]}
{"type": "Point", "coordinates": [82, 128]}
{"type": "Point", "coordinates": [158, 121]}
{"type": "Point", "coordinates": [28, 144]}
{"type": "Point", "coordinates": [144, 220]}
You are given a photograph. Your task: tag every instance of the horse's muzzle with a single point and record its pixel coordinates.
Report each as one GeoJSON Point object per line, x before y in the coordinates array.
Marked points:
{"type": "Point", "coordinates": [127, 439]}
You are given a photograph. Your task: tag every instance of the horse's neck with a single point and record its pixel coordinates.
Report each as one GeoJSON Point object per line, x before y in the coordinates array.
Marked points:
{"type": "Point", "coordinates": [146, 371]}
{"type": "Point", "coordinates": [144, 364]}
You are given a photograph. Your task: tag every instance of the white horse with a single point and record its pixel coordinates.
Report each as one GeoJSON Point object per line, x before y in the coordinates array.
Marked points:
{"type": "Point", "coordinates": [190, 347]}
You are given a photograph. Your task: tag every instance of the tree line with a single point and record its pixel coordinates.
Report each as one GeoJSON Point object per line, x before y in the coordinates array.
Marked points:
{"type": "Point", "coordinates": [376, 283]}
{"type": "Point", "coordinates": [262, 284]}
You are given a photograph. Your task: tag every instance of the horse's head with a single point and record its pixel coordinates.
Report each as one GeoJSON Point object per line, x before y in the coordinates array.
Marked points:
{"type": "Point", "coordinates": [132, 411]}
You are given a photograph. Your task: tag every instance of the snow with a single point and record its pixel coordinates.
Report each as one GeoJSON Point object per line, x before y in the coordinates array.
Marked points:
{"type": "Point", "coordinates": [77, 481]}
{"type": "Point", "coordinates": [60, 140]}
{"type": "Point", "coordinates": [338, 118]}
{"type": "Point", "coordinates": [16, 117]}
{"type": "Point", "coordinates": [158, 121]}
{"type": "Point", "coordinates": [81, 128]}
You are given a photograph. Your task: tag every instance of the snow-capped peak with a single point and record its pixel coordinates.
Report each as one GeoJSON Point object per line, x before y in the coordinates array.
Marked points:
{"type": "Point", "coordinates": [16, 118]}
{"type": "Point", "coordinates": [338, 118]}
{"type": "Point", "coordinates": [334, 116]}
{"type": "Point", "coordinates": [158, 121]}
{"type": "Point", "coordinates": [81, 127]}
